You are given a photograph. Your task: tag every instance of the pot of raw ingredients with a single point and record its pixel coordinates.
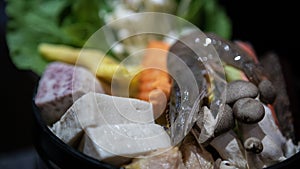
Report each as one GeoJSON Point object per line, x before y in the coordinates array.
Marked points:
{"type": "Point", "coordinates": [226, 115]}
{"type": "Point", "coordinates": [137, 84]}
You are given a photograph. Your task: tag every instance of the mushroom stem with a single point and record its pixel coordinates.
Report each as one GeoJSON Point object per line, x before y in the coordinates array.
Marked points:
{"type": "Point", "coordinates": [270, 137]}
{"type": "Point", "coordinates": [270, 128]}
{"type": "Point", "coordinates": [254, 162]}
{"type": "Point", "coordinates": [194, 155]}
{"type": "Point", "coordinates": [230, 148]}
{"type": "Point", "coordinates": [208, 127]}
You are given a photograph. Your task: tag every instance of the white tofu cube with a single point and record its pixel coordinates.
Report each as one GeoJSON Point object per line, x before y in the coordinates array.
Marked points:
{"type": "Point", "coordinates": [95, 109]}
{"type": "Point", "coordinates": [116, 144]}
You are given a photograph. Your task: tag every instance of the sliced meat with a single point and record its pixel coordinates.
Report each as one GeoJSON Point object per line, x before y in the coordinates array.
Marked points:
{"type": "Point", "coordinates": [281, 104]}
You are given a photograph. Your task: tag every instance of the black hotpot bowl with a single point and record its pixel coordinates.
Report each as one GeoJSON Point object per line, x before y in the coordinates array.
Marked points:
{"type": "Point", "coordinates": [55, 154]}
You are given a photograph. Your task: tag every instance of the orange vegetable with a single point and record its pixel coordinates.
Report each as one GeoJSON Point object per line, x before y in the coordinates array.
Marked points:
{"type": "Point", "coordinates": [154, 81]}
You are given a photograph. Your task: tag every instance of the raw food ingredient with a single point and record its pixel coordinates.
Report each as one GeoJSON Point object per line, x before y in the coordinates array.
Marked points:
{"type": "Point", "coordinates": [103, 66]}
{"type": "Point", "coordinates": [117, 144]}
{"type": "Point", "coordinates": [60, 86]}
{"type": "Point", "coordinates": [154, 80]}
{"type": "Point", "coordinates": [162, 158]}
{"type": "Point", "coordinates": [94, 109]}
{"type": "Point", "coordinates": [72, 22]}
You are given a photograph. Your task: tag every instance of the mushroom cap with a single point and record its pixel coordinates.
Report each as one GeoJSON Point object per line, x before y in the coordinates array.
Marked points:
{"type": "Point", "coordinates": [240, 89]}
{"type": "Point", "coordinates": [225, 121]}
{"type": "Point", "coordinates": [248, 110]}
{"type": "Point", "coordinates": [254, 145]}
{"type": "Point", "coordinates": [267, 91]}
{"type": "Point", "coordinates": [223, 164]}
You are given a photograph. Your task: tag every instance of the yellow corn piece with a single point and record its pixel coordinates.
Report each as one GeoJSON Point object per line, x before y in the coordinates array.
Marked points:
{"type": "Point", "coordinates": [102, 66]}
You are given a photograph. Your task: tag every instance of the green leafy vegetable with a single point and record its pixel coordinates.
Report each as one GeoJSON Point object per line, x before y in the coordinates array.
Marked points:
{"type": "Point", "coordinates": [216, 19]}
{"type": "Point", "coordinates": [54, 21]}
{"type": "Point", "coordinates": [208, 15]}
{"type": "Point", "coordinates": [72, 22]}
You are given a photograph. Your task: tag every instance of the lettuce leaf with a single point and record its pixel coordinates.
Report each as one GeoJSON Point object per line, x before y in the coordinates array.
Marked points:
{"type": "Point", "coordinates": [31, 22]}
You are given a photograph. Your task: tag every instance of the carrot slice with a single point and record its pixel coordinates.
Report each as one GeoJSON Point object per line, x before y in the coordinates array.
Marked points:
{"type": "Point", "coordinates": [154, 80]}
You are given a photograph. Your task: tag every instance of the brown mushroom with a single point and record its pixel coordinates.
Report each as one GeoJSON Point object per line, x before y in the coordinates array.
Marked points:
{"type": "Point", "coordinates": [253, 144]}
{"type": "Point", "coordinates": [240, 89]}
{"type": "Point", "coordinates": [219, 164]}
{"type": "Point", "coordinates": [248, 110]}
{"type": "Point", "coordinates": [225, 121]}
{"type": "Point", "coordinates": [267, 92]}
{"type": "Point", "coordinates": [207, 127]}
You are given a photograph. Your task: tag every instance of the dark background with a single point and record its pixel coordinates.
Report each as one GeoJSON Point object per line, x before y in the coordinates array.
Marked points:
{"type": "Point", "coordinates": [272, 26]}
{"type": "Point", "coordinates": [268, 27]}
{"type": "Point", "coordinates": [16, 91]}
